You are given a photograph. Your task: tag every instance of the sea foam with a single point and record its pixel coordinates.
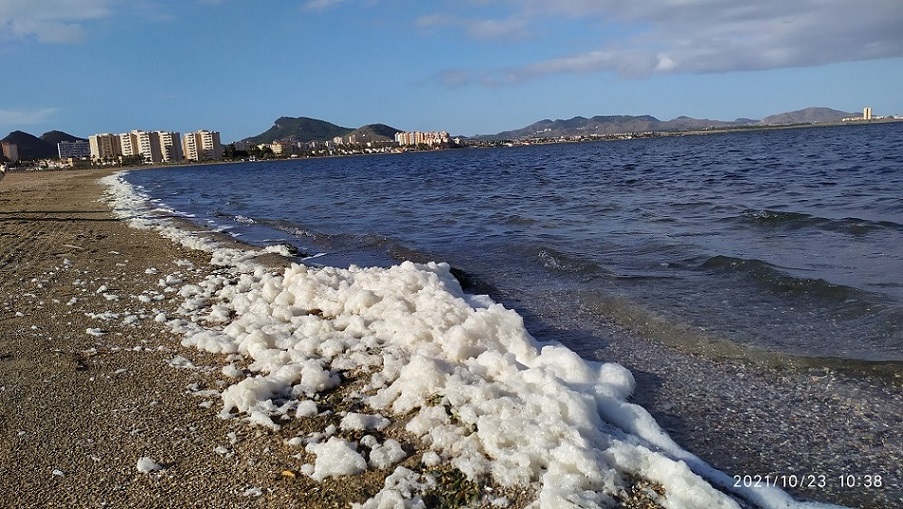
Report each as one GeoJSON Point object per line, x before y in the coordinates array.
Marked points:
{"type": "Point", "coordinates": [476, 388]}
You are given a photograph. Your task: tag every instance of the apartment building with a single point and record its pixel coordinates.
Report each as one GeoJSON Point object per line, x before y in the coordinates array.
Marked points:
{"type": "Point", "coordinates": [152, 146]}
{"type": "Point", "coordinates": [73, 149]}
{"type": "Point", "coordinates": [10, 150]}
{"type": "Point", "coordinates": [202, 145]}
{"type": "Point", "coordinates": [170, 146]}
{"type": "Point", "coordinates": [422, 138]}
{"type": "Point", "coordinates": [105, 146]}
{"type": "Point", "coordinates": [128, 143]}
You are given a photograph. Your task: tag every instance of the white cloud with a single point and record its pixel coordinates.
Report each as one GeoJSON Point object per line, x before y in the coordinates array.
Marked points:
{"type": "Point", "coordinates": [20, 117]}
{"type": "Point", "coordinates": [512, 28]}
{"type": "Point", "coordinates": [51, 21]}
{"type": "Point", "coordinates": [321, 4]}
{"type": "Point", "coordinates": [644, 37]}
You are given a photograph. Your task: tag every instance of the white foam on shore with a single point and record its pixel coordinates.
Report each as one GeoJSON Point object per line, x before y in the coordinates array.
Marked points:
{"type": "Point", "coordinates": [480, 391]}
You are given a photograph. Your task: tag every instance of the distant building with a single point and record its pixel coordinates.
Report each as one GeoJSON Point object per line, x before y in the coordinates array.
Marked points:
{"type": "Point", "coordinates": [74, 149]}
{"type": "Point", "coordinates": [243, 145]}
{"type": "Point", "coordinates": [128, 144]}
{"type": "Point", "coordinates": [202, 145]}
{"type": "Point", "coordinates": [170, 146]}
{"type": "Point", "coordinates": [147, 145]}
{"type": "Point", "coordinates": [422, 138]}
{"type": "Point", "coordinates": [153, 146]}
{"type": "Point", "coordinates": [105, 147]}
{"type": "Point", "coordinates": [10, 150]}
{"type": "Point", "coordinates": [867, 113]}
{"type": "Point", "coordinates": [282, 147]}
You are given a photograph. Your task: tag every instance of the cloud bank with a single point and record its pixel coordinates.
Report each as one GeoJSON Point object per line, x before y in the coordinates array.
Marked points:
{"type": "Point", "coordinates": [19, 117]}
{"type": "Point", "coordinates": [50, 21]}
{"type": "Point", "coordinates": [645, 37]}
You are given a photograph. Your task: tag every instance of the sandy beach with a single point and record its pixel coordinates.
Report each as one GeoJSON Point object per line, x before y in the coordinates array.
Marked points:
{"type": "Point", "coordinates": [91, 384]}
{"type": "Point", "coordinates": [78, 408]}
{"type": "Point", "coordinates": [85, 398]}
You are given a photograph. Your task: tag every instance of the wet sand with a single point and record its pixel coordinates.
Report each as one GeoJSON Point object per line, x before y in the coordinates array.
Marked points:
{"type": "Point", "coordinates": [799, 427]}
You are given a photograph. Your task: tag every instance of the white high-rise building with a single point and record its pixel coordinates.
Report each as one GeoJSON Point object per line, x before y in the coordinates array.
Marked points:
{"type": "Point", "coordinates": [148, 145]}
{"type": "Point", "coordinates": [867, 113]}
{"type": "Point", "coordinates": [202, 145]}
{"type": "Point", "coordinates": [105, 147]}
{"type": "Point", "coordinates": [170, 146]}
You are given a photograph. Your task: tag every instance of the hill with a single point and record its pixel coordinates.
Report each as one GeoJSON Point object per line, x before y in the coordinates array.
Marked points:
{"type": "Point", "coordinates": [374, 132]}
{"type": "Point", "coordinates": [55, 137]}
{"type": "Point", "coordinates": [301, 129]}
{"type": "Point", "coordinates": [626, 124]}
{"type": "Point", "coordinates": [30, 146]}
{"type": "Point", "coordinates": [611, 124]}
{"type": "Point", "coordinates": [807, 116]}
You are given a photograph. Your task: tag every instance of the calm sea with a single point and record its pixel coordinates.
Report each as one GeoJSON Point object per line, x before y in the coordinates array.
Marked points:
{"type": "Point", "coordinates": [776, 244]}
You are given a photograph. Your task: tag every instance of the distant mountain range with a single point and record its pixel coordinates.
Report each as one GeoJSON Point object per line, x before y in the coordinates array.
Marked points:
{"type": "Point", "coordinates": [33, 147]}
{"type": "Point", "coordinates": [620, 124]}
{"type": "Point", "coordinates": [305, 129]}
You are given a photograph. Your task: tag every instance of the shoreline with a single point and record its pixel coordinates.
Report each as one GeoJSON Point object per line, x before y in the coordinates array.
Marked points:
{"type": "Point", "coordinates": [90, 383]}
{"type": "Point", "coordinates": [83, 413]}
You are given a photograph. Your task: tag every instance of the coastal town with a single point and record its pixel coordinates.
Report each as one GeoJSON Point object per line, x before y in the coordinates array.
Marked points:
{"type": "Point", "coordinates": [140, 147]}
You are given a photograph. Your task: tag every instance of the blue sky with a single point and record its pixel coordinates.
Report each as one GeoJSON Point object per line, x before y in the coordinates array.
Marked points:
{"type": "Point", "coordinates": [466, 66]}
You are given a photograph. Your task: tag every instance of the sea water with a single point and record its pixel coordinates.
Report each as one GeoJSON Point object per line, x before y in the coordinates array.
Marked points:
{"type": "Point", "coordinates": [782, 244]}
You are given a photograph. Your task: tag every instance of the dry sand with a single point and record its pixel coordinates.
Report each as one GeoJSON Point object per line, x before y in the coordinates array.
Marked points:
{"type": "Point", "coordinates": [79, 410]}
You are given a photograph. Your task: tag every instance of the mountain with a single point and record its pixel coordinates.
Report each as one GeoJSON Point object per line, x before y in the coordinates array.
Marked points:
{"type": "Point", "coordinates": [301, 129]}
{"type": "Point", "coordinates": [55, 137]}
{"type": "Point", "coordinates": [807, 116]}
{"type": "Point", "coordinates": [374, 132]}
{"type": "Point", "coordinates": [611, 124]}
{"type": "Point", "coordinates": [30, 146]}
{"type": "Point", "coordinates": [626, 124]}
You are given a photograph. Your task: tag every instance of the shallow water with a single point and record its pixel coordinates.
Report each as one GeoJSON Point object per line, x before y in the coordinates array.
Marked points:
{"type": "Point", "coordinates": [761, 244]}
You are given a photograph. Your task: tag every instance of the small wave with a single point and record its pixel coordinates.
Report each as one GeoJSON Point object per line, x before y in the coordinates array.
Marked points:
{"type": "Point", "coordinates": [778, 281]}
{"type": "Point", "coordinates": [797, 220]}
{"type": "Point", "coordinates": [515, 219]}
{"type": "Point", "coordinates": [559, 261]}
{"type": "Point", "coordinates": [697, 340]}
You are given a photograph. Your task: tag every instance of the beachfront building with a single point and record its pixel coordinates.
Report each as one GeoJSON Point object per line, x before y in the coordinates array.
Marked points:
{"type": "Point", "coordinates": [150, 146]}
{"type": "Point", "coordinates": [10, 150]}
{"type": "Point", "coordinates": [128, 144]}
{"type": "Point", "coordinates": [170, 146]}
{"type": "Point", "coordinates": [158, 146]}
{"type": "Point", "coordinates": [105, 147]}
{"type": "Point", "coordinates": [202, 145]}
{"type": "Point", "coordinates": [414, 138]}
{"type": "Point", "coordinates": [73, 149]}
{"type": "Point", "coordinates": [867, 113]}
